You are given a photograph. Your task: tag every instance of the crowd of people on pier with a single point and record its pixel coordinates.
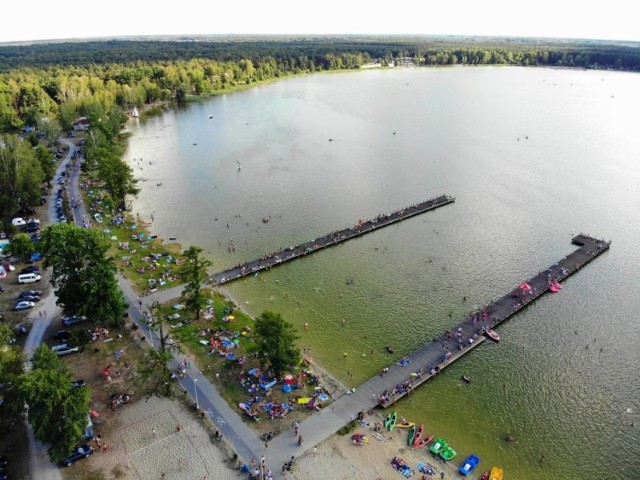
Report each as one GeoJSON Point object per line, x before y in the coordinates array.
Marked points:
{"type": "Point", "coordinates": [274, 258]}
{"type": "Point", "coordinates": [488, 316]}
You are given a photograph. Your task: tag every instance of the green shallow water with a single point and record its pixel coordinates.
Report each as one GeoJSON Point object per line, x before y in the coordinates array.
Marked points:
{"type": "Point", "coordinates": [519, 201]}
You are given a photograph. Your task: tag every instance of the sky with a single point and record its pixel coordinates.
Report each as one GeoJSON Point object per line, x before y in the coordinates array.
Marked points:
{"type": "Point", "coordinates": [47, 19]}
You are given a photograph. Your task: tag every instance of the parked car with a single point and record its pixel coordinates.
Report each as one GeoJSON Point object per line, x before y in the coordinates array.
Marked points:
{"type": "Point", "coordinates": [80, 452]}
{"type": "Point", "coordinates": [62, 335]}
{"type": "Point", "coordinates": [24, 305]}
{"type": "Point", "coordinates": [72, 320]}
{"type": "Point", "coordinates": [78, 383]}
{"type": "Point", "coordinates": [18, 222]}
{"type": "Point", "coordinates": [29, 278]}
{"type": "Point", "coordinates": [29, 298]}
{"type": "Point", "coordinates": [31, 269]}
{"type": "Point", "coordinates": [34, 293]}
{"type": "Point", "coordinates": [64, 349]}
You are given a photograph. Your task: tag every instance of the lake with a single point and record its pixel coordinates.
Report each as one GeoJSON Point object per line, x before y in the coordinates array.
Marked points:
{"type": "Point", "coordinates": [533, 157]}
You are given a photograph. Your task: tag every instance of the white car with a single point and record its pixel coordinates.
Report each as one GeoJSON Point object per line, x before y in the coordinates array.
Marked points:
{"type": "Point", "coordinates": [66, 350]}
{"type": "Point", "coordinates": [18, 222]}
{"type": "Point", "coordinates": [63, 349]}
{"type": "Point", "coordinates": [24, 305]}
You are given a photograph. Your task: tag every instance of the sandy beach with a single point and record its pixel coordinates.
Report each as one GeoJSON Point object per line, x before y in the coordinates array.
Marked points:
{"type": "Point", "coordinates": [146, 443]}
{"type": "Point", "coordinates": [338, 458]}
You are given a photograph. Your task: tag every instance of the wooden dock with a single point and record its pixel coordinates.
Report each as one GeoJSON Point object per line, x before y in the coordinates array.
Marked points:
{"type": "Point", "coordinates": [361, 228]}
{"type": "Point", "coordinates": [434, 356]}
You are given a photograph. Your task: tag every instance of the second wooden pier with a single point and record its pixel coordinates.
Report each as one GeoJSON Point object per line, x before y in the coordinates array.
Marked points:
{"type": "Point", "coordinates": [362, 227]}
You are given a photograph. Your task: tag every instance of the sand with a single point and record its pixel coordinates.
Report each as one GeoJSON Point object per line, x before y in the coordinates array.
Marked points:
{"type": "Point", "coordinates": [147, 443]}
{"type": "Point", "coordinates": [338, 458]}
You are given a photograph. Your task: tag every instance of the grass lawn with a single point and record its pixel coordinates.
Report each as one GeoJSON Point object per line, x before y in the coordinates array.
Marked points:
{"type": "Point", "coordinates": [227, 374]}
{"type": "Point", "coordinates": [133, 247]}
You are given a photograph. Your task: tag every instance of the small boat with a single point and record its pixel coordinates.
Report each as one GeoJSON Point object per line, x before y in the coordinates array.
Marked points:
{"type": "Point", "coordinates": [469, 464]}
{"type": "Point", "coordinates": [422, 442]}
{"type": "Point", "coordinates": [437, 446]}
{"type": "Point", "coordinates": [405, 424]}
{"type": "Point", "coordinates": [390, 421]}
{"type": "Point", "coordinates": [484, 476]}
{"type": "Point", "coordinates": [447, 453]}
{"type": "Point", "coordinates": [496, 473]}
{"type": "Point", "coordinates": [210, 116]}
{"type": "Point", "coordinates": [555, 286]}
{"type": "Point", "coordinates": [412, 435]}
{"type": "Point", "coordinates": [493, 335]}
{"type": "Point", "coordinates": [466, 378]}
{"type": "Point", "coordinates": [418, 435]}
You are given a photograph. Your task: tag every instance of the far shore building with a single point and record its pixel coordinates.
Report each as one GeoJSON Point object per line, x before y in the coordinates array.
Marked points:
{"type": "Point", "coordinates": [81, 124]}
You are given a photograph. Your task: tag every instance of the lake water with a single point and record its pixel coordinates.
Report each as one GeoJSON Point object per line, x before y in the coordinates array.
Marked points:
{"type": "Point", "coordinates": [533, 156]}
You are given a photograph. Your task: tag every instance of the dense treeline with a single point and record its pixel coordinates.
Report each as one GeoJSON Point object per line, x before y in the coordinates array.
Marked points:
{"type": "Point", "coordinates": [298, 52]}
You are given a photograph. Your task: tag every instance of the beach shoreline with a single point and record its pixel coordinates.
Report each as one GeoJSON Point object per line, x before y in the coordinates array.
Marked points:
{"type": "Point", "coordinates": [340, 459]}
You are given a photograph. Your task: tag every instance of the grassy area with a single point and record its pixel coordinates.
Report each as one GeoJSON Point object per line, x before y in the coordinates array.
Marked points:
{"type": "Point", "coordinates": [226, 374]}
{"type": "Point", "coordinates": [135, 261]}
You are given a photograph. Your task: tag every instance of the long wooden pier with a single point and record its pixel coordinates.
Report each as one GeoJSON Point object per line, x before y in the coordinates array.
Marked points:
{"type": "Point", "coordinates": [434, 356]}
{"type": "Point", "coordinates": [291, 253]}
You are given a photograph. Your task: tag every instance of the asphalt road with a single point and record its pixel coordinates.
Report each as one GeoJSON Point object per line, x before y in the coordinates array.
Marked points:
{"type": "Point", "coordinates": [39, 465]}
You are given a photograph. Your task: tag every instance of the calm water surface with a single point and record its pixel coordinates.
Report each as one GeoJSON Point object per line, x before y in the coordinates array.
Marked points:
{"type": "Point", "coordinates": [533, 156]}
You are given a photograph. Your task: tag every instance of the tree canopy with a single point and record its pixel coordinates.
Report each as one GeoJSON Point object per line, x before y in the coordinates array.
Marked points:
{"type": "Point", "coordinates": [275, 343]}
{"type": "Point", "coordinates": [57, 410]}
{"type": "Point", "coordinates": [83, 273]}
{"type": "Point", "coordinates": [21, 175]}
{"type": "Point", "coordinates": [194, 272]}
{"type": "Point", "coordinates": [11, 367]}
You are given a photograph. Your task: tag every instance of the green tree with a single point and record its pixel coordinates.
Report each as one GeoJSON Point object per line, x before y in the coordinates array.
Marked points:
{"type": "Point", "coordinates": [194, 272]}
{"type": "Point", "coordinates": [20, 175]}
{"type": "Point", "coordinates": [83, 273]}
{"type": "Point", "coordinates": [275, 343]}
{"type": "Point", "coordinates": [11, 367]}
{"type": "Point", "coordinates": [47, 162]}
{"type": "Point", "coordinates": [57, 410]}
{"type": "Point", "coordinates": [157, 369]}
{"type": "Point", "coordinates": [118, 178]}
{"type": "Point", "coordinates": [22, 246]}
{"type": "Point", "coordinates": [51, 129]}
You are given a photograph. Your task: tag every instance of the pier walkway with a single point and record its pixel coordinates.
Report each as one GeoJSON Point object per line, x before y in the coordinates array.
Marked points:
{"type": "Point", "coordinates": [293, 252]}
{"type": "Point", "coordinates": [424, 361]}
{"type": "Point", "coordinates": [434, 356]}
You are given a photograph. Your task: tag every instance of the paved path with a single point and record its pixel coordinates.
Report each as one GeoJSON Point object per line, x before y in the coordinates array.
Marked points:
{"type": "Point", "coordinates": [39, 464]}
